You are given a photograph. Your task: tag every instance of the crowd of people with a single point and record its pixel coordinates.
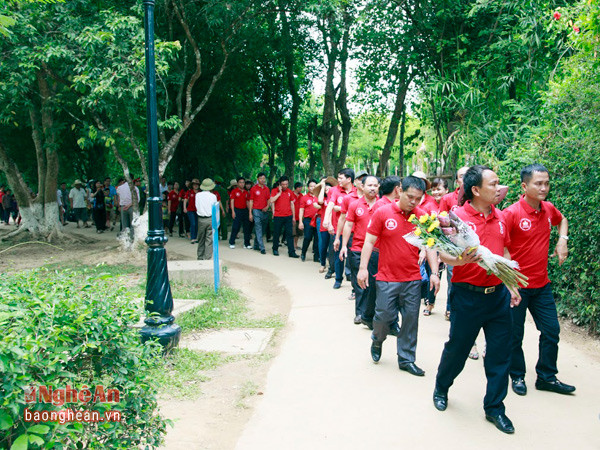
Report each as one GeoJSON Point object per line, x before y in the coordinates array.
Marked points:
{"type": "Point", "coordinates": [356, 225]}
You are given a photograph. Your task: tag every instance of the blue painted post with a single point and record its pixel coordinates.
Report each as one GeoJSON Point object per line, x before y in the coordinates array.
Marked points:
{"type": "Point", "coordinates": [216, 219]}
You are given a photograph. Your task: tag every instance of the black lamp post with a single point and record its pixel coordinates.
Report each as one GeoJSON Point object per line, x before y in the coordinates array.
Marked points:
{"type": "Point", "coordinates": [159, 300]}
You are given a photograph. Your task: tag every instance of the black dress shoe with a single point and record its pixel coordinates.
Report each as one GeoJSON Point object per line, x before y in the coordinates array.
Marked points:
{"type": "Point", "coordinates": [293, 255]}
{"type": "Point", "coordinates": [275, 252]}
{"type": "Point", "coordinates": [554, 386]}
{"type": "Point", "coordinates": [502, 422]}
{"type": "Point", "coordinates": [303, 257]}
{"type": "Point", "coordinates": [440, 400]}
{"type": "Point", "coordinates": [357, 320]}
{"type": "Point", "coordinates": [395, 329]}
{"type": "Point", "coordinates": [368, 323]}
{"type": "Point", "coordinates": [328, 275]}
{"type": "Point", "coordinates": [263, 252]}
{"type": "Point", "coordinates": [376, 351]}
{"type": "Point", "coordinates": [519, 386]}
{"type": "Point", "coordinates": [411, 368]}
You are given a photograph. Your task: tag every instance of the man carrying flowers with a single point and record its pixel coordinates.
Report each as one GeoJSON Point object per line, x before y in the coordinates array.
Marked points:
{"type": "Point", "coordinates": [479, 298]}
{"type": "Point", "coordinates": [398, 280]}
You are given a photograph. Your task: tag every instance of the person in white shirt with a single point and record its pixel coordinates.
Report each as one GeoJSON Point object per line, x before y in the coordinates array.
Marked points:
{"type": "Point", "coordinates": [204, 205]}
{"type": "Point", "coordinates": [78, 200]}
{"type": "Point", "coordinates": [126, 205]}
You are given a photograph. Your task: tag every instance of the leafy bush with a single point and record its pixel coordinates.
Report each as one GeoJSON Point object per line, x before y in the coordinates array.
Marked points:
{"type": "Point", "coordinates": [73, 328]}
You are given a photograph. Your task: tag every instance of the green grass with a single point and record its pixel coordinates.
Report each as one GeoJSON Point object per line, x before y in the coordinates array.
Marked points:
{"type": "Point", "coordinates": [180, 374]}
{"type": "Point", "coordinates": [97, 269]}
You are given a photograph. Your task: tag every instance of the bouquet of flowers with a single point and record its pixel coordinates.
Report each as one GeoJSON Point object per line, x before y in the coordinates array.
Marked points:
{"type": "Point", "coordinates": [449, 234]}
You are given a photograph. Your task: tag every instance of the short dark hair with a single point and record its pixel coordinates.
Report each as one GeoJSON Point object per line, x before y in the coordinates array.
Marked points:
{"type": "Point", "coordinates": [389, 184]}
{"type": "Point", "coordinates": [438, 181]}
{"type": "Point", "coordinates": [120, 179]}
{"type": "Point", "coordinates": [473, 177]}
{"type": "Point", "coordinates": [297, 185]}
{"type": "Point", "coordinates": [371, 176]}
{"type": "Point", "coordinates": [107, 178]}
{"type": "Point", "coordinates": [312, 180]}
{"type": "Point", "coordinates": [527, 171]}
{"type": "Point", "coordinates": [261, 174]}
{"type": "Point", "coordinates": [348, 173]}
{"type": "Point", "coordinates": [283, 178]}
{"type": "Point", "coordinates": [240, 178]}
{"type": "Point", "coordinates": [413, 182]}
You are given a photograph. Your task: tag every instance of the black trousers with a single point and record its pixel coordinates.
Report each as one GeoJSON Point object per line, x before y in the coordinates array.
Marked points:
{"type": "Point", "coordinates": [364, 298]}
{"type": "Point", "coordinates": [242, 219]}
{"type": "Point", "coordinates": [286, 225]}
{"type": "Point", "coordinates": [310, 234]}
{"type": "Point", "coordinates": [472, 311]}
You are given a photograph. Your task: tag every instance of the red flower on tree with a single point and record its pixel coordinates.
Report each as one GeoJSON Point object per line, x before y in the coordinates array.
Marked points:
{"type": "Point", "coordinates": [576, 29]}
{"type": "Point", "coordinates": [557, 15]}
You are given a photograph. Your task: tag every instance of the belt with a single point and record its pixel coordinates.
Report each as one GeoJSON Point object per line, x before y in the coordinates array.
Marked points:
{"type": "Point", "coordinates": [204, 217]}
{"type": "Point", "coordinates": [480, 289]}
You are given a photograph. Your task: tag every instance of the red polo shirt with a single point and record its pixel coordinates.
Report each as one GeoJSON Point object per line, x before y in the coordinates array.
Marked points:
{"type": "Point", "coordinates": [492, 234]}
{"type": "Point", "coordinates": [308, 202]}
{"type": "Point", "coordinates": [174, 199]}
{"type": "Point", "coordinates": [529, 232]}
{"type": "Point", "coordinates": [383, 201]}
{"type": "Point", "coordinates": [322, 213]}
{"type": "Point", "coordinates": [260, 196]}
{"type": "Point", "coordinates": [239, 197]}
{"type": "Point", "coordinates": [429, 204]}
{"type": "Point", "coordinates": [348, 200]}
{"type": "Point", "coordinates": [359, 213]}
{"type": "Point", "coordinates": [449, 202]}
{"type": "Point", "coordinates": [336, 196]}
{"type": "Point", "coordinates": [283, 205]}
{"type": "Point", "coordinates": [297, 200]}
{"type": "Point", "coordinates": [191, 198]}
{"type": "Point", "coordinates": [398, 260]}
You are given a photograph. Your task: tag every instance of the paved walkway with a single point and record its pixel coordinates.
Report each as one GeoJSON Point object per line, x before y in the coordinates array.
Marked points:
{"type": "Point", "coordinates": [324, 392]}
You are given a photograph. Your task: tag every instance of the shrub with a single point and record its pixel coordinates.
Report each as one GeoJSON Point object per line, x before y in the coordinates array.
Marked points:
{"type": "Point", "coordinates": [73, 328]}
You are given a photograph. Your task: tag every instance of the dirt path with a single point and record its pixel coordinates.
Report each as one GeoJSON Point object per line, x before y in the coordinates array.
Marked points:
{"type": "Point", "coordinates": [321, 390]}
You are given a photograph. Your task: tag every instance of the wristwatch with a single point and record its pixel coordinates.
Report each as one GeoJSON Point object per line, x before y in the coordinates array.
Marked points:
{"type": "Point", "coordinates": [565, 237]}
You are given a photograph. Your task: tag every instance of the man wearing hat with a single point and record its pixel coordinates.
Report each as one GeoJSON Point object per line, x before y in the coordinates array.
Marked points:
{"type": "Point", "coordinates": [190, 208]}
{"type": "Point", "coordinates": [78, 200]}
{"type": "Point", "coordinates": [224, 204]}
{"type": "Point", "coordinates": [204, 206]}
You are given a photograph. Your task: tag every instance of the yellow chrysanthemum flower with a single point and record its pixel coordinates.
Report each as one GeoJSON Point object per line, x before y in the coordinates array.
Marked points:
{"type": "Point", "coordinates": [430, 242]}
{"type": "Point", "coordinates": [418, 232]}
{"type": "Point", "coordinates": [433, 226]}
{"type": "Point", "coordinates": [424, 218]}
{"type": "Point", "coordinates": [433, 214]}
{"type": "Point", "coordinates": [411, 218]}
{"type": "Point", "coordinates": [443, 213]}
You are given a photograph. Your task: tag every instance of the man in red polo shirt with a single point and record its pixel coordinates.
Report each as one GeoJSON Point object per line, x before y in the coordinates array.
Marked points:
{"type": "Point", "coordinates": [297, 199]}
{"type": "Point", "coordinates": [529, 222]}
{"type": "Point", "coordinates": [173, 205]}
{"type": "Point", "coordinates": [332, 214]}
{"type": "Point", "coordinates": [309, 207]}
{"type": "Point", "coordinates": [258, 205]}
{"type": "Point", "coordinates": [239, 213]}
{"type": "Point", "coordinates": [282, 200]}
{"type": "Point", "coordinates": [398, 277]}
{"type": "Point", "coordinates": [479, 300]}
{"type": "Point", "coordinates": [449, 201]}
{"type": "Point", "coordinates": [358, 216]}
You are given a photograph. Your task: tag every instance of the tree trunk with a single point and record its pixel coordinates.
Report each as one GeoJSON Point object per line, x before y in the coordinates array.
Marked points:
{"type": "Point", "coordinates": [401, 151]}
{"type": "Point", "coordinates": [290, 147]}
{"type": "Point", "coordinates": [342, 100]}
{"type": "Point", "coordinates": [312, 162]}
{"type": "Point", "coordinates": [394, 122]}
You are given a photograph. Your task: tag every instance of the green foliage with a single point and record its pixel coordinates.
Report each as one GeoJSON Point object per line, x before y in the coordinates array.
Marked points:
{"type": "Point", "coordinates": [71, 328]}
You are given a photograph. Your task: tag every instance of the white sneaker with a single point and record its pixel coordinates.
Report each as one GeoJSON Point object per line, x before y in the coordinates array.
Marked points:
{"type": "Point", "coordinates": [248, 247]}
{"type": "Point", "coordinates": [231, 246]}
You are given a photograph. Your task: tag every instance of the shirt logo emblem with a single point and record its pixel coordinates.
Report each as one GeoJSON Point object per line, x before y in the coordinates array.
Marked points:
{"type": "Point", "coordinates": [391, 224]}
{"type": "Point", "coordinates": [309, 202]}
{"type": "Point", "coordinates": [237, 194]}
{"type": "Point", "coordinates": [472, 226]}
{"type": "Point", "coordinates": [340, 200]}
{"type": "Point", "coordinates": [454, 208]}
{"type": "Point", "coordinates": [501, 227]}
{"type": "Point", "coordinates": [549, 224]}
{"type": "Point", "coordinates": [525, 224]}
{"type": "Point", "coordinates": [359, 212]}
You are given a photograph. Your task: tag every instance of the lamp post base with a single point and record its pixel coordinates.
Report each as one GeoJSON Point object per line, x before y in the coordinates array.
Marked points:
{"type": "Point", "coordinates": [166, 335]}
